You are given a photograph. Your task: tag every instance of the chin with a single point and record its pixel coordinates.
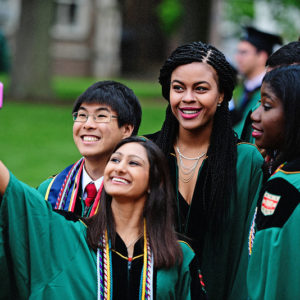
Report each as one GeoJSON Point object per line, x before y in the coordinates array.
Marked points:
{"type": "Point", "coordinates": [260, 145]}
{"type": "Point", "coordinates": [91, 155]}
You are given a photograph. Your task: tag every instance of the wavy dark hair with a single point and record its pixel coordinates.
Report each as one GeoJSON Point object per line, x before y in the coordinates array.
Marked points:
{"type": "Point", "coordinates": [222, 152]}
{"type": "Point", "coordinates": [119, 97]}
{"type": "Point", "coordinates": [284, 82]}
{"type": "Point", "coordinates": [158, 210]}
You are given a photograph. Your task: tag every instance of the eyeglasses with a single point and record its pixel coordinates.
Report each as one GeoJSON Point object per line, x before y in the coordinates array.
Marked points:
{"type": "Point", "coordinates": [101, 117]}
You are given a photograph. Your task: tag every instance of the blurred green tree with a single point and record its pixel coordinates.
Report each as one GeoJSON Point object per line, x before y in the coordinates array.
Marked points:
{"type": "Point", "coordinates": [284, 12]}
{"type": "Point", "coordinates": [169, 14]}
{"type": "Point", "coordinates": [188, 20]}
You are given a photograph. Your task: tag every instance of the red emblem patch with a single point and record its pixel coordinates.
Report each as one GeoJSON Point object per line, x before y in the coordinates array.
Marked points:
{"type": "Point", "coordinates": [269, 203]}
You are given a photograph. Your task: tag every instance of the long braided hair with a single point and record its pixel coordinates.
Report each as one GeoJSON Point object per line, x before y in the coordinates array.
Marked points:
{"type": "Point", "coordinates": [220, 180]}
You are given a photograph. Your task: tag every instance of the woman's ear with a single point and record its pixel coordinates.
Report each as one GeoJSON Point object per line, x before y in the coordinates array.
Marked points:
{"type": "Point", "coordinates": [221, 98]}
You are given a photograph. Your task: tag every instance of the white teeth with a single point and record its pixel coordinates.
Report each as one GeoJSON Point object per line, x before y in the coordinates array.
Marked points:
{"type": "Point", "coordinates": [189, 112]}
{"type": "Point", "coordinates": [119, 180]}
{"type": "Point", "coordinates": [90, 139]}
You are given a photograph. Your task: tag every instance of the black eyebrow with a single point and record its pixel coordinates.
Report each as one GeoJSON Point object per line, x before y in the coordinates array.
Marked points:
{"type": "Point", "coordinates": [196, 83]}
{"type": "Point", "coordinates": [266, 95]}
{"type": "Point", "coordinates": [98, 109]}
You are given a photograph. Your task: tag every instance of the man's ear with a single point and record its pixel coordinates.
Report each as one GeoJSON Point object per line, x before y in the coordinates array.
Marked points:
{"type": "Point", "coordinates": [127, 130]}
{"type": "Point", "coordinates": [263, 56]}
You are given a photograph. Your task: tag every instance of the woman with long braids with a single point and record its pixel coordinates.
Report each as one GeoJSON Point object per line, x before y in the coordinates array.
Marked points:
{"type": "Point", "coordinates": [216, 178]}
{"type": "Point", "coordinates": [274, 266]}
{"type": "Point", "coordinates": [127, 250]}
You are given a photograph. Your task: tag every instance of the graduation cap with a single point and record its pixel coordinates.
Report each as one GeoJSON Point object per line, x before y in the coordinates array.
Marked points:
{"type": "Point", "coordinates": [261, 40]}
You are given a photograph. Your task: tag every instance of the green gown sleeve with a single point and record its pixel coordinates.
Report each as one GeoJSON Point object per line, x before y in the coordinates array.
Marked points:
{"type": "Point", "coordinates": [189, 280]}
{"type": "Point", "coordinates": [234, 256]}
{"type": "Point", "coordinates": [274, 267]}
{"type": "Point", "coordinates": [48, 258]}
{"type": "Point", "coordinates": [45, 253]}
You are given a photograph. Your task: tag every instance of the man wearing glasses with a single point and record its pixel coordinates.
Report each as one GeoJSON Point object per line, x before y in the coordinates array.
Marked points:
{"type": "Point", "coordinates": [104, 114]}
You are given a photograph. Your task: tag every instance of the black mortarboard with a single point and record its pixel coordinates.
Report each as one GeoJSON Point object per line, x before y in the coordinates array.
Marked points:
{"type": "Point", "coordinates": [261, 40]}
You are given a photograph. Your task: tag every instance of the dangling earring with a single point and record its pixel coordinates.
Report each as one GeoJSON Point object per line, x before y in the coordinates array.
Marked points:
{"type": "Point", "coordinates": [219, 104]}
{"type": "Point", "coordinates": [148, 191]}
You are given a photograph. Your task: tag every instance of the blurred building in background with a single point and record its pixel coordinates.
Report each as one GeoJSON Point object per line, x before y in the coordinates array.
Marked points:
{"type": "Point", "coordinates": [86, 35]}
{"type": "Point", "coordinates": [108, 38]}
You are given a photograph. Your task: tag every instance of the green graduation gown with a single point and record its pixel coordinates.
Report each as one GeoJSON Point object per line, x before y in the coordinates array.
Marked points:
{"type": "Point", "coordinates": [48, 257]}
{"type": "Point", "coordinates": [240, 126]}
{"type": "Point", "coordinates": [224, 266]}
{"type": "Point", "coordinates": [274, 267]}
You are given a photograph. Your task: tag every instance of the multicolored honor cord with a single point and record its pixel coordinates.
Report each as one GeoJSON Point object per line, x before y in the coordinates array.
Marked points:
{"type": "Point", "coordinates": [63, 194]}
{"type": "Point", "coordinates": [252, 233]}
{"type": "Point", "coordinates": [104, 270]}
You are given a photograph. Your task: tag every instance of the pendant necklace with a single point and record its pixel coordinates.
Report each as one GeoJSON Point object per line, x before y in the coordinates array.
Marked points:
{"type": "Point", "coordinates": [134, 241]}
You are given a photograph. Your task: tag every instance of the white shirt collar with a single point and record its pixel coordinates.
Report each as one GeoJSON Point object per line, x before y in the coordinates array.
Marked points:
{"type": "Point", "coordinates": [255, 82]}
{"type": "Point", "coordinates": [86, 179]}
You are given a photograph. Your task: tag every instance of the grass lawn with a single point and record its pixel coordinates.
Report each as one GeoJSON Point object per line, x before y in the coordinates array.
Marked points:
{"type": "Point", "coordinates": [36, 139]}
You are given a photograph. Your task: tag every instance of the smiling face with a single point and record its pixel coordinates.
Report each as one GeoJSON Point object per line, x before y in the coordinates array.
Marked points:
{"type": "Point", "coordinates": [194, 95]}
{"type": "Point", "coordinates": [268, 120]}
{"type": "Point", "coordinates": [126, 175]}
{"type": "Point", "coordinates": [96, 141]}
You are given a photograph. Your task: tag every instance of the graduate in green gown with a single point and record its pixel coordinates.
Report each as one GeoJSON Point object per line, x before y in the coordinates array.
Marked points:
{"type": "Point", "coordinates": [105, 113]}
{"type": "Point", "coordinates": [274, 267]}
{"type": "Point", "coordinates": [216, 178]}
{"type": "Point", "coordinates": [288, 54]}
{"type": "Point", "coordinates": [252, 53]}
{"type": "Point", "coordinates": [128, 250]}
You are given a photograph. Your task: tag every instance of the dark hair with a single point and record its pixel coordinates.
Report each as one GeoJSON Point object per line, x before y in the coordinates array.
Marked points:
{"type": "Point", "coordinates": [284, 82]}
{"type": "Point", "coordinates": [119, 97]}
{"type": "Point", "coordinates": [221, 161]}
{"type": "Point", "coordinates": [286, 55]}
{"type": "Point", "coordinates": [158, 210]}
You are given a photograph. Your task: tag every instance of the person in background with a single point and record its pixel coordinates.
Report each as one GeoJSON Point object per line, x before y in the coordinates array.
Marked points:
{"type": "Point", "coordinates": [253, 51]}
{"type": "Point", "coordinates": [274, 267]}
{"type": "Point", "coordinates": [127, 251]}
{"type": "Point", "coordinates": [105, 113]}
{"type": "Point", "coordinates": [288, 54]}
{"type": "Point", "coordinates": [216, 179]}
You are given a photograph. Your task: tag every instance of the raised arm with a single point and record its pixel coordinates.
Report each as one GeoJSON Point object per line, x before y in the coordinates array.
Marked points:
{"type": "Point", "coordinates": [4, 178]}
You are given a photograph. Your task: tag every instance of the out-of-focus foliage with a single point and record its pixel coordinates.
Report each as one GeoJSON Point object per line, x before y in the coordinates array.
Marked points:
{"type": "Point", "coordinates": [295, 3]}
{"type": "Point", "coordinates": [239, 11]}
{"type": "Point", "coordinates": [285, 12]}
{"type": "Point", "coordinates": [169, 13]}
